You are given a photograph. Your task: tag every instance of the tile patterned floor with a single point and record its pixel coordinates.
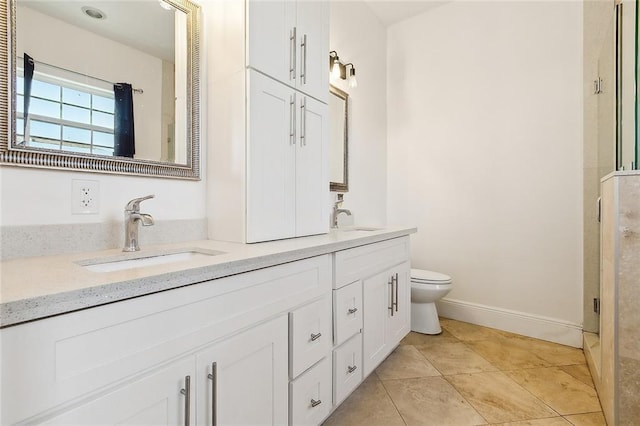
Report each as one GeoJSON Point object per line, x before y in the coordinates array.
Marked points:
{"type": "Point", "coordinates": [472, 375]}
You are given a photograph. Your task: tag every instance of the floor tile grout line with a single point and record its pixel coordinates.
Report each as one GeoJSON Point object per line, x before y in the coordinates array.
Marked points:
{"type": "Point", "coordinates": [519, 369]}
{"type": "Point", "coordinates": [510, 378]}
{"type": "Point", "coordinates": [443, 377]}
{"type": "Point", "coordinates": [498, 423]}
{"type": "Point", "coordinates": [391, 399]}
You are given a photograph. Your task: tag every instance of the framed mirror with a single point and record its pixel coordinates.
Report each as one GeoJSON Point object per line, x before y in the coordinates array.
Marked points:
{"type": "Point", "coordinates": [338, 140]}
{"type": "Point", "coordinates": [101, 85]}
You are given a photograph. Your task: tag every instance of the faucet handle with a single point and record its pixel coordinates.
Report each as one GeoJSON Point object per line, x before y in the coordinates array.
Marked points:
{"type": "Point", "coordinates": [134, 205]}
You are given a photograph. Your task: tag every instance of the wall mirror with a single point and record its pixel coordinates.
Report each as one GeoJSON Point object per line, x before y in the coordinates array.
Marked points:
{"type": "Point", "coordinates": [626, 55]}
{"type": "Point", "coordinates": [339, 140]}
{"type": "Point", "coordinates": [102, 85]}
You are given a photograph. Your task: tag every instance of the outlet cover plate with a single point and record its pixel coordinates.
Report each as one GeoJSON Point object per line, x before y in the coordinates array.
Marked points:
{"type": "Point", "coordinates": [85, 196]}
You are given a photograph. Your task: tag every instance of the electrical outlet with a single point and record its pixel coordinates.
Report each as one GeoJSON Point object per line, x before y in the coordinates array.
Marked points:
{"type": "Point", "coordinates": [85, 196]}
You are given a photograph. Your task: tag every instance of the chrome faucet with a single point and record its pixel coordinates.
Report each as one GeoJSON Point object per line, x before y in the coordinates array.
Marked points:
{"type": "Point", "coordinates": [337, 210]}
{"type": "Point", "coordinates": [132, 216]}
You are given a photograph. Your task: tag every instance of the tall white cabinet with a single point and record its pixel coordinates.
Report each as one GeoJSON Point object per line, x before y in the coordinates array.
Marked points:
{"type": "Point", "coordinates": [268, 150]}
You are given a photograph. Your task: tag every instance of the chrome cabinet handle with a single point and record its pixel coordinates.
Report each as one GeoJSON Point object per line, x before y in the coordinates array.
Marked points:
{"type": "Point", "coordinates": [315, 337]}
{"type": "Point", "coordinates": [292, 119]}
{"type": "Point", "coordinates": [303, 48]}
{"type": "Point", "coordinates": [187, 400]}
{"type": "Point", "coordinates": [214, 393]}
{"type": "Point", "coordinates": [303, 121]}
{"type": "Point", "coordinates": [292, 54]}
{"type": "Point", "coordinates": [396, 302]}
{"type": "Point", "coordinates": [391, 296]}
{"type": "Point", "coordinates": [352, 311]}
{"type": "Point", "coordinates": [352, 368]}
{"type": "Point", "coordinates": [315, 403]}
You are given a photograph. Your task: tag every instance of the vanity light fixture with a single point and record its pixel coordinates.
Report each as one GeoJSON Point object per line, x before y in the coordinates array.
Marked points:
{"type": "Point", "coordinates": [94, 13]}
{"type": "Point", "coordinates": [353, 83]}
{"type": "Point", "coordinates": [334, 64]}
{"type": "Point", "coordinates": [339, 70]}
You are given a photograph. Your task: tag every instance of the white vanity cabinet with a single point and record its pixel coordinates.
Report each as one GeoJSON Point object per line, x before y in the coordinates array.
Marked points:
{"type": "Point", "coordinates": [141, 350]}
{"type": "Point", "coordinates": [269, 163]}
{"type": "Point", "coordinates": [287, 156]}
{"type": "Point", "coordinates": [283, 343]}
{"type": "Point", "coordinates": [289, 41]}
{"type": "Point", "coordinates": [382, 270]}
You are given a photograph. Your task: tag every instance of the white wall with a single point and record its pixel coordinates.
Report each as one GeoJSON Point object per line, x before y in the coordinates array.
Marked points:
{"type": "Point", "coordinates": [359, 37]}
{"type": "Point", "coordinates": [485, 157]}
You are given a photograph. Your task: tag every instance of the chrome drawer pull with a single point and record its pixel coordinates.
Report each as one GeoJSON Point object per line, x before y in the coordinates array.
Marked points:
{"type": "Point", "coordinates": [315, 337]}
{"type": "Point", "coordinates": [292, 118]}
{"type": "Point", "coordinates": [315, 403]}
{"type": "Point", "coordinates": [396, 302]}
{"type": "Point", "coordinates": [352, 311]}
{"type": "Point", "coordinates": [352, 368]}
{"type": "Point", "coordinates": [390, 307]}
{"type": "Point", "coordinates": [292, 54]}
{"type": "Point", "coordinates": [303, 122]}
{"type": "Point", "coordinates": [187, 400]}
{"type": "Point", "coordinates": [303, 48]}
{"type": "Point", "coordinates": [213, 376]}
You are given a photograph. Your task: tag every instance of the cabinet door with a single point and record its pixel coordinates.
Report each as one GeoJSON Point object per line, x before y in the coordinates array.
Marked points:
{"type": "Point", "coordinates": [313, 44]}
{"type": "Point", "coordinates": [377, 293]}
{"type": "Point", "coordinates": [250, 378]}
{"type": "Point", "coordinates": [399, 324]}
{"type": "Point", "coordinates": [271, 45]}
{"type": "Point", "coordinates": [270, 160]}
{"type": "Point", "coordinates": [155, 399]}
{"type": "Point", "coordinates": [312, 182]}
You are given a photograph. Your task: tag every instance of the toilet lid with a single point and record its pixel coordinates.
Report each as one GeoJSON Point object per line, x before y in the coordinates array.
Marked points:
{"type": "Point", "coordinates": [422, 275]}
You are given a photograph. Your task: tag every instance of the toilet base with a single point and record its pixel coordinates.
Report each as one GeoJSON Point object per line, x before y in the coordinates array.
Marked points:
{"type": "Point", "coordinates": [424, 318]}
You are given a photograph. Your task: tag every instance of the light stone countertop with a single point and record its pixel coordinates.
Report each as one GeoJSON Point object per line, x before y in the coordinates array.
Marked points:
{"type": "Point", "coordinates": [39, 287]}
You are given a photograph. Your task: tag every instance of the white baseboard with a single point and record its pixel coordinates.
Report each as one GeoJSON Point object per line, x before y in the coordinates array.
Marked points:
{"type": "Point", "coordinates": [539, 327]}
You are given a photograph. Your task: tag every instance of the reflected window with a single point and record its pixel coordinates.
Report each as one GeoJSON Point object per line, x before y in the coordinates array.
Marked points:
{"type": "Point", "coordinates": [65, 116]}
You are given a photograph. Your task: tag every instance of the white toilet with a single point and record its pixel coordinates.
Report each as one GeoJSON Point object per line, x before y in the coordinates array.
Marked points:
{"type": "Point", "coordinates": [426, 288]}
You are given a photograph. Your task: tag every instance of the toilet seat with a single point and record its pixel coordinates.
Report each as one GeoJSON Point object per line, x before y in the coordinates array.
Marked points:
{"type": "Point", "coordinates": [421, 276]}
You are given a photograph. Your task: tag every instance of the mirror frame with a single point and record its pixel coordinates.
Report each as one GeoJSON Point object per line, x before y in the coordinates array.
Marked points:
{"type": "Point", "coordinates": [342, 186]}
{"type": "Point", "coordinates": [11, 155]}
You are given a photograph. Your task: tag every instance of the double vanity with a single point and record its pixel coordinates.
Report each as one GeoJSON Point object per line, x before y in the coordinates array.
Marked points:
{"type": "Point", "coordinates": [202, 333]}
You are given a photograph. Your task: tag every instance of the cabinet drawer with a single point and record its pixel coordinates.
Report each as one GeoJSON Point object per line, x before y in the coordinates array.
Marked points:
{"type": "Point", "coordinates": [311, 395]}
{"type": "Point", "coordinates": [309, 335]}
{"type": "Point", "coordinates": [362, 262]}
{"type": "Point", "coordinates": [347, 312]}
{"type": "Point", "coordinates": [347, 368]}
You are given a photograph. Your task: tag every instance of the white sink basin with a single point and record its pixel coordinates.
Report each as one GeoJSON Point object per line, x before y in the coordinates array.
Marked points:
{"type": "Point", "coordinates": [359, 228]}
{"type": "Point", "coordinates": [120, 263]}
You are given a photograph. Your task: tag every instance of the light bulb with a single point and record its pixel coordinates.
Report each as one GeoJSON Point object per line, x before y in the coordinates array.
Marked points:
{"type": "Point", "coordinates": [165, 6]}
{"type": "Point", "coordinates": [353, 83]}
{"type": "Point", "coordinates": [335, 71]}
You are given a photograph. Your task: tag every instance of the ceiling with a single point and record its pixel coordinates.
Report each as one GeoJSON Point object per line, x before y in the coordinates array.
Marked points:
{"type": "Point", "coordinates": [389, 12]}
{"type": "Point", "coordinates": [143, 25]}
